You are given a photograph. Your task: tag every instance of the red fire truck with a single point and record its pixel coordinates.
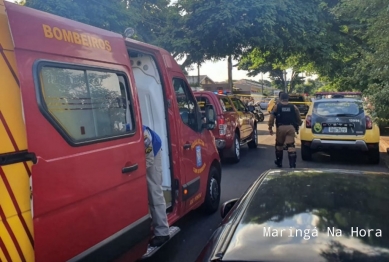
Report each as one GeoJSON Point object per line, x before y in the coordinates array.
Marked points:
{"type": "Point", "coordinates": [72, 162]}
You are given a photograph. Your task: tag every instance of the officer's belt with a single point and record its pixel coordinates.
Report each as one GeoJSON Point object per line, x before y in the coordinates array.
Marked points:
{"type": "Point", "coordinates": [290, 124]}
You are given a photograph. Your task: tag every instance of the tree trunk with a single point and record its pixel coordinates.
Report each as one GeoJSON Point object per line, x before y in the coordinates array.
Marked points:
{"type": "Point", "coordinates": [198, 74]}
{"type": "Point", "coordinates": [230, 72]}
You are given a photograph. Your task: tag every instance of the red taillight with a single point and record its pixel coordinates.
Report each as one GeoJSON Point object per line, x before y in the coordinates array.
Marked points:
{"type": "Point", "coordinates": [222, 125]}
{"type": "Point", "coordinates": [308, 121]}
{"type": "Point", "coordinates": [369, 123]}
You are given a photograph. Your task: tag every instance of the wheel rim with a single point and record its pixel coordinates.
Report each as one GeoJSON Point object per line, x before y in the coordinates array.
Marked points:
{"type": "Point", "coordinates": [214, 189]}
{"type": "Point", "coordinates": [237, 148]}
{"type": "Point", "coordinates": [255, 136]}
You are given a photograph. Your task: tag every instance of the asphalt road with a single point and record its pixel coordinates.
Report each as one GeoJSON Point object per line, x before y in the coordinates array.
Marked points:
{"type": "Point", "coordinates": [196, 228]}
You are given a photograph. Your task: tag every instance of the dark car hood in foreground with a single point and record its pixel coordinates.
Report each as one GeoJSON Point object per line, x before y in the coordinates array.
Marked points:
{"type": "Point", "coordinates": [328, 201]}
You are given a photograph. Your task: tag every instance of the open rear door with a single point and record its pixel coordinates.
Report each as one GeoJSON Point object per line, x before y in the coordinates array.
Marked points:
{"type": "Point", "coordinates": [89, 192]}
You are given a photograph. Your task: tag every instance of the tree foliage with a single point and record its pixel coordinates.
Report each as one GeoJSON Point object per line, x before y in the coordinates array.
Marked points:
{"type": "Point", "coordinates": [149, 18]}
{"type": "Point", "coordinates": [365, 23]}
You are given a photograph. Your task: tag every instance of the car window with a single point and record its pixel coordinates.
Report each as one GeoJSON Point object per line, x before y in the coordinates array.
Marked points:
{"type": "Point", "coordinates": [187, 104]}
{"type": "Point", "coordinates": [202, 101]}
{"type": "Point", "coordinates": [238, 105]}
{"type": "Point", "coordinates": [87, 105]}
{"type": "Point", "coordinates": [344, 108]}
{"type": "Point", "coordinates": [227, 104]}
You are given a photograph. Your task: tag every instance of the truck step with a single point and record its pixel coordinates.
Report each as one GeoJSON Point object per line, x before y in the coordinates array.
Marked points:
{"type": "Point", "coordinates": [151, 250]}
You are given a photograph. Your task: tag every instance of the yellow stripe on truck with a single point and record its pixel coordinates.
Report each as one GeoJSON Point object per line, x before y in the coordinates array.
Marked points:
{"type": "Point", "coordinates": [16, 225]}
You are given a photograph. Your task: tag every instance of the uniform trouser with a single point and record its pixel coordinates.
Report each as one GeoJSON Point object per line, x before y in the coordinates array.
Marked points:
{"type": "Point", "coordinates": [157, 202]}
{"type": "Point", "coordinates": [285, 135]}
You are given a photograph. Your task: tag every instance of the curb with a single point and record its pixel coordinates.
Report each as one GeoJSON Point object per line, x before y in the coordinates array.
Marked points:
{"type": "Point", "coordinates": [384, 147]}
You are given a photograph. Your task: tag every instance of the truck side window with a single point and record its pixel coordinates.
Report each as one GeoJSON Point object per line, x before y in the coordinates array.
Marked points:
{"type": "Point", "coordinates": [227, 104]}
{"type": "Point", "coordinates": [238, 105]}
{"type": "Point", "coordinates": [86, 104]}
{"type": "Point", "coordinates": [202, 101]}
{"type": "Point", "coordinates": [187, 105]}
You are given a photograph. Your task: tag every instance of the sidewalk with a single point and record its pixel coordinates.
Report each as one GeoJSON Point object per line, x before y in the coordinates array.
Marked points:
{"type": "Point", "coordinates": [384, 149]}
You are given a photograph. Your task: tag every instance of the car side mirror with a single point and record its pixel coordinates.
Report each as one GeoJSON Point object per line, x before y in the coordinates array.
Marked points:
{"type": "Point", "coordinates": [227, 206]}
{"type": "Point", "coordinates": [210, 117]}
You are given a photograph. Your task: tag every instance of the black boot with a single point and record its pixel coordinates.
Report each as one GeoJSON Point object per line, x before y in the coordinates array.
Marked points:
{"type": "Point", "coordinates": [292, 159]}
{"type": "Point", "coordinates": [279, 156]}
{"type": "Point", "coordinates": [158, 241]}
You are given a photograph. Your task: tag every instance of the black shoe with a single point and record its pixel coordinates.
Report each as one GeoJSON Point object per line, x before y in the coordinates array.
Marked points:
{"type": "Point", "coordinates": [278, 163]}
{"type": "Point", "coordinates": [158, 241]}
{"type": "Point", "coordinates": [293, 166]}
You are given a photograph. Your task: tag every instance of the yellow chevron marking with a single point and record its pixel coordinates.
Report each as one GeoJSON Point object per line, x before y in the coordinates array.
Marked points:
{"type": "Point", "coordinates": [16, 174]}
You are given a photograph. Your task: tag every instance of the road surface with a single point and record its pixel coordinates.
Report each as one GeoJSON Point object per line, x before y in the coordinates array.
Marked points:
{"type": "Point", "coordinates": [196, 228]}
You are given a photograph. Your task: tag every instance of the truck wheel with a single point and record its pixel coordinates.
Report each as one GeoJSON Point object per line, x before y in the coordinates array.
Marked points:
{"type": "Point", "coordinates": [374, 156]}
{"type": "Point", "coordinates": [212, 196]}
{"type": "Point", "coordinates": [235, 150]}
{"type": "Point", "coordinates": [306, 153]}
{"type": "Point", "coordinates": [254, 142]}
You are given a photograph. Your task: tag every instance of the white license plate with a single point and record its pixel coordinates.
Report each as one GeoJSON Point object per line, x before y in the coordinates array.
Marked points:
{"type": "Point", "coordinates": [337, 129]}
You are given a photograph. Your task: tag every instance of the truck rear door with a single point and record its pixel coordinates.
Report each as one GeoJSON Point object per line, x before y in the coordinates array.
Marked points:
{"type": "Point", "coordinates": [89, 193]}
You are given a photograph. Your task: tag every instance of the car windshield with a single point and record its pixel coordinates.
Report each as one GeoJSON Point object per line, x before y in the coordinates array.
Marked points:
{"type": "Point", "coordinates": [338, 108]}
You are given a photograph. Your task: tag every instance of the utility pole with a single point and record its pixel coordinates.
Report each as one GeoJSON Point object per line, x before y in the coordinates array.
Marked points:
{"type": "Point", "coordinates": [262, 83]}
{"type": "Point", "coordinates": [198, 75]}
{"type": "Point", "coordinates": [286, 84]}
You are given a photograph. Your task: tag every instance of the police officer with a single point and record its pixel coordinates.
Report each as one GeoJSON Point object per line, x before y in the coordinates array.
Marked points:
{"type": "Point", "coordinates": [288, 120]}
{"type": "Point", "coordinates": [157, 203]}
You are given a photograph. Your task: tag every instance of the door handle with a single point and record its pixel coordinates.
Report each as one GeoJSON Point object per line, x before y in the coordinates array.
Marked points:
{"type": "Point", "coordinates": [187, 146]}
{"type": "Point", "coordinates": [129, 169]}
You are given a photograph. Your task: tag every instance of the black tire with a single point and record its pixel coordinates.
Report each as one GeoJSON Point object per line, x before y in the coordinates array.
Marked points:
{"type": "Point", "coordinates": [257, 117]}
{"type": "Point", "coordinates": [261, 118]}
{"type": "Point", "coordinates": [374, 156]}
{"type": "Point", "coordinates": [212, 196]}
{"type": "Point", "coordinates": [254, 142]}
{"type": "Point", "coordinates": [234, 151]}
{"type": "Point", "coordinates": [306, 153]}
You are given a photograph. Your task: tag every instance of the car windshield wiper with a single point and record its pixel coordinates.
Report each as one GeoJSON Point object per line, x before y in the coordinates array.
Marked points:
{"type": "Point", "coordinates": [345, 115]}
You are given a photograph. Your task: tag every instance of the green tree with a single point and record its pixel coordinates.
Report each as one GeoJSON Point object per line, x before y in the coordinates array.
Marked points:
{"type": "Point", "coordinates": [365, 67]}
{"type": "Point", "coordinates": [256, 62]}
{"type": "Point", "coordinates": [221, 28]}
{"type": "Point", "coordinates": [149, 18]}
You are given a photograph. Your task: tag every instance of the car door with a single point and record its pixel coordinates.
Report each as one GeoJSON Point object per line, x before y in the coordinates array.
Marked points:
{"type": "Point", "coordinates": [246, 129]}
{"type": "Point", "coordinates": [89, 183]}
{"type": "Point", "coordinates": [191, 146]}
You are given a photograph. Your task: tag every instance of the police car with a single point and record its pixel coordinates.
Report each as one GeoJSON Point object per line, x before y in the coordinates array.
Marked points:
{"type": "Point", "coordinates": [339, 124]}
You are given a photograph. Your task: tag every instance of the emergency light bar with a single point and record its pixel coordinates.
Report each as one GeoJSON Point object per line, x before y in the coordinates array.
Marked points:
{"type": "Point", "coordinates": [221, 92]}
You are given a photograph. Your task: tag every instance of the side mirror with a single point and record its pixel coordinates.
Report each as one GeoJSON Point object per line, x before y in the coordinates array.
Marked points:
{"type": "Point", "coordinates": [210, 117]}
{"type": "Point", "coordinates": [227, 206]}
